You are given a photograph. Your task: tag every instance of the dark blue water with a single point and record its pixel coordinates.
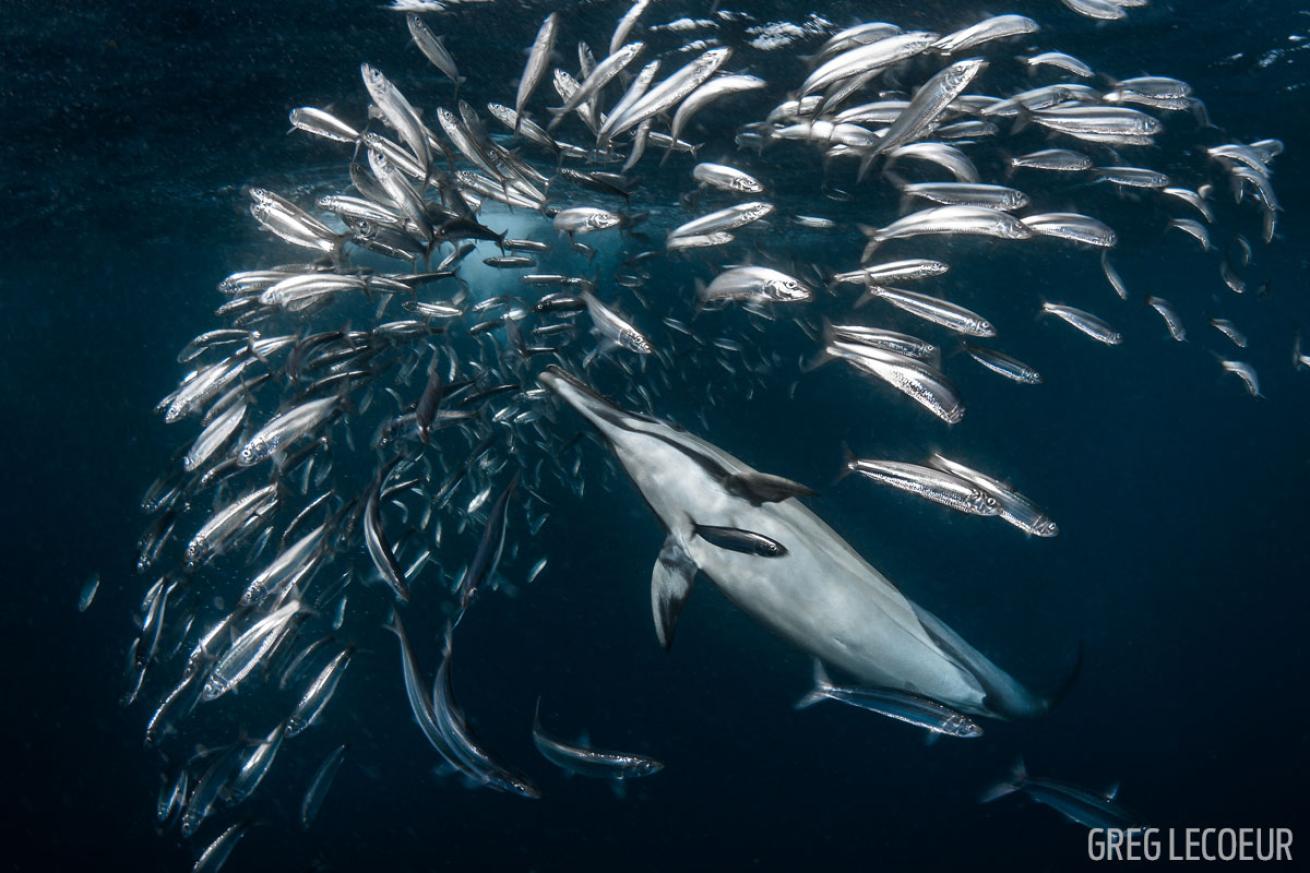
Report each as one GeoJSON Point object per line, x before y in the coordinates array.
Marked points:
{"type": "Point", "coordinates": [130, 130]}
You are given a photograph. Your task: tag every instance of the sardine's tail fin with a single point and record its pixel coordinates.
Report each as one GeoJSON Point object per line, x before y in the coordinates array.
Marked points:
{"type": "Point", "coordinates": [815, 361]}
{"type": "Point", "coordinates": [875, 238]}
{"type": "Point", "coordinates": [1022, 118]}
{"type": "Point", "coordinates": [821, 685]}
{"type": "Point", "coordinates": [1018, 775]}
{"type": "Point", "coordinates": [1008, 159]}
{"type": "Point", "coordinates": [848, 463]}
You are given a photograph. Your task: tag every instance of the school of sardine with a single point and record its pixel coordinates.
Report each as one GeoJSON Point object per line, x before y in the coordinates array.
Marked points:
{"type": "Point", "coordinates": [362, 434]}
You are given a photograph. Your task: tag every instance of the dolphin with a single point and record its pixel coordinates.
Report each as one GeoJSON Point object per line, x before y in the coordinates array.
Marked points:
{"type": "Point", "coordinates": [816, 591]}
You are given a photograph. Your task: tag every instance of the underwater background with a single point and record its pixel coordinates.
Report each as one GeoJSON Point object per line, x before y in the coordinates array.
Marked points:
{"type": "Point", "coordinates": [130, 130]}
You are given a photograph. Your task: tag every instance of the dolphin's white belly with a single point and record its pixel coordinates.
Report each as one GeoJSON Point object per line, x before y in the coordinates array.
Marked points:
{"type": "Point", "coordinates": [821, 595]}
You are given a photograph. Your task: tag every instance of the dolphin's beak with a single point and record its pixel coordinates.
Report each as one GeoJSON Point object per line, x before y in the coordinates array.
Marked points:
{"type": "Point", "coordinates": [579, 395]}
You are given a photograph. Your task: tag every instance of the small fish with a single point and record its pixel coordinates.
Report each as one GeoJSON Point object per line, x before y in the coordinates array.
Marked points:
{"type": "Point", "coordinates": [323, 124]}
{"type": "Point", "coordinates": [936, 310]}
{"type": "Point", "coordinates": [814, 222]}
{"type": "Point", "coordinates": [1132, 177]}
{"type": "Point", "coordinates": [699, 241]}
{"type": "Point", "coordinates": [1234, 282]}
{"type": "Point", "coordinates": [172, 796]}
{"type": "Point", "coordinates": [433, 49]}
{"type": "Point", "coordinates": [1084, 322]}
{"type": "Point", "coordinates": [626, 23]}
{"type": "Point", "coordinates": [215, 855]}
{"type": "Point", "coordinates": [1170, 315]}
{"type": "Point", "coordinates": [880, 338]}
{"type": "Point", "coordinates": [736, 540]}
{"type": "Point", "coordinates": [919, 381]}
{"type": "Point", "coordinates": [1083, 807]}
{"type": "Point", "coordinates": [895, 271]}
{"type": "Point", "coordinates": [712, 90]}
{"type": "Point", "coordinates": [726, 178]}
{"type": "Point", "coordinates": [614, 330]}
{"type": "Point", "coordinates": [286, 428]}
{"type": "Point", "coordinates": [1112, 276]}
{"type": "Point", "coordinates": [538, 59]}
{"type": "Point", "coordinates": [1060, 160]}
{"type": "Point", "coordinates": [968, 194]}
{"type": "Point", "coordinates": [1228, 329]}
{"type": "Point", "coordinates": [1072, 226]}
{"type": "Point", "coordinates": [596, 81]}
{"type": "Point", "coordinates": [319, 785]}
{"type": "Point", "coordinates": [583, 760]}
{"type": "Point", "coordinates": [1246, 373]}
{"type": "Point", "coordinates": [902, 706]}
{"type": "Point", "coordinates": [248, 651]}
{"type": "Point", "coordinates": [756, 284]}
{"type": "Point", "coordinates": [928, 103]}
{"type": "Point", "coordinates": [948, 490]}
{"type": "Point", "coordinates": [997, 27]}
{"type": "Point", "coordinates": [665, 95]}
{"type": "Point", "coordinates": [486, 559]}
{"type": "Point", "coordinates": [1004, 365]}
{"type": "Point", "coordinates": [318, 693]}
{"type": "Point", "coordinates": [1012, 506]}
{"type": "Point", "coordinates": [503, 262]}
{"type": "Point", "coordinates": [1194, 229]}
{"type": "Point", "coordinates": [254, 765]}
{"type": "Point", "coordinates": [882, 53]}
{"type": "Point", "coordinates": [1061, 61]}
{"type": "Point", "coordinates": [1193, 199]}
{"type": "Point", "coordinates": [469, 755]}
{"type": "Point", "coordinates": [88, 593]}
{"type": "Point", "coordinates": [729, 218]}
{"type": "Point", "coordinates": [375, 537]}
{"type": "Point", "coordinates": [975, 220]}
{"type": "Point", "coordinates": [585, 219]}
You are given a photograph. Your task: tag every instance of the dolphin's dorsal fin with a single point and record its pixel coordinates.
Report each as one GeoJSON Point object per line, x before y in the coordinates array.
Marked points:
{"type": "Point", "coordinates": [670, 583]}
{"type": "Point", "coordinates": [760, 487]}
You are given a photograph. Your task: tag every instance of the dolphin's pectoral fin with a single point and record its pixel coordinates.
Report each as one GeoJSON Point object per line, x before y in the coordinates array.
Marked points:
{"type": "Point", "coordinates": [670, 583]}
{"type": "Point", "coordinates": [764, 487]}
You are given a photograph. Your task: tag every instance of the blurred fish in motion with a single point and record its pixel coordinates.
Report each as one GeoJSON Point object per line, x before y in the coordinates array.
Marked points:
{"type": "Point", "coordinates": [909, 708]}
{"type": "Point", "coordinates": [1078, 805]}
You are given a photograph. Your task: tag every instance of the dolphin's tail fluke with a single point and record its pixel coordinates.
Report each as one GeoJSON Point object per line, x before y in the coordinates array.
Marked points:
{"type": "Point", "coordinates": [822, 685]}
{"type": "Point", "coordinates": [1070, 679]}
{"type": "Point", "coordinates": [1018, 775]}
